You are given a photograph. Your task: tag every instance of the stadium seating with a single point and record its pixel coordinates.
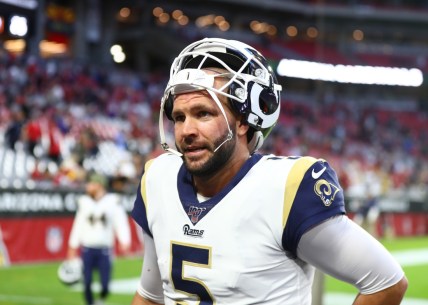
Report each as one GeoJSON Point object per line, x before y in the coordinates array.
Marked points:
{"type": "Point", "coordinates": [124, 125]}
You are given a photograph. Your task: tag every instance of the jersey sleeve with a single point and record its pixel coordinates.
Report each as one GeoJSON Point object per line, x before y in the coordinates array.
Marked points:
{"type": "Point", "coordinates": [312, 195]}
{"type": "Point", "coordinates": [139, 211]}
{"type": "Point", "coordinates": [78, 224]}
{"type": "Point", "coordinates": [339, 247]}
{"type": "Point", "coordinates": [121, 224]}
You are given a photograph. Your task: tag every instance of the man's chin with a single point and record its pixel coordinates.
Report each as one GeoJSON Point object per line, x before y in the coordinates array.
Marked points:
{"type": "Point", "coordinates": [195, 166]}
{"type": "Point", "coordinates": [194, 163]}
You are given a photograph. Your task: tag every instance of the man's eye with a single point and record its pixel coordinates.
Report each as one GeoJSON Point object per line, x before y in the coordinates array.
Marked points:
{"type": "Point", "coordinates": [204, 114]}
{"type": "Point", "coordinates": [178, 118]}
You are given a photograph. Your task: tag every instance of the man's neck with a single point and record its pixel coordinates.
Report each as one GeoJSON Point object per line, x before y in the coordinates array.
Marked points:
{"type": "Point", "coordinates": [212, 185]}
{"type": "Point", "coordinates": [97, 196]}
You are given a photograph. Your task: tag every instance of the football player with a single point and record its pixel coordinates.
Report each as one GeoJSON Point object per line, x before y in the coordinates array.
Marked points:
{"type": "Point", "coordinates": [225, 225]}
{"type": "Point", "coordinates": [100, 218]}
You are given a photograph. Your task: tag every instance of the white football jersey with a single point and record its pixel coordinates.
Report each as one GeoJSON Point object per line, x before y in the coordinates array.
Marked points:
{"type": "Point", "coordinates": [238, 247]}
{"type": "Point", "coordinates": [97, 222]}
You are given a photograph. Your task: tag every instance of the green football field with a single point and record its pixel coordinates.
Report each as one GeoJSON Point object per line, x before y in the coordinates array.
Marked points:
{"type": "Point", "coordinates": [38, 283]}
{"type": "Point", "coordinates": [412, 253]}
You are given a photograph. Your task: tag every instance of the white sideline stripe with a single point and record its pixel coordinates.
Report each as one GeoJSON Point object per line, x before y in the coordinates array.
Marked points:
{"type": "Point", "coordinates": [25, 299]}
{"type": "Point", "coordinates": [32, 300]}
{"type": "Point", "coordinates": [129, 286]}
{"type": "Point", "coordinates": [122, 286]}
{"type": "Point", "coordinates": [405, 258]}
{"type": "Point", "coordinates": [411, 257]}
{"type": "Point", "coordinates": [348, 298]}
{"type": "Point", "coordinates": [329, 298]}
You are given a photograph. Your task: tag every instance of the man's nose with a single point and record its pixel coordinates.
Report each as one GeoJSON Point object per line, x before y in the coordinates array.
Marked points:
{"type": "Point", "coordinates": [189, 127]}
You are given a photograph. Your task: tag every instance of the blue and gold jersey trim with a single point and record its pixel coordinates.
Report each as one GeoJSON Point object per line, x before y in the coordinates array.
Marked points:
{"type": "Point", "coordinates": [143, 182]}
{"type": "Point", "coordinates": [139, 211]}
{"type": "Point", "coordinates": [293, 182]}
{"type": "Point", "coordinates": [312, 195]}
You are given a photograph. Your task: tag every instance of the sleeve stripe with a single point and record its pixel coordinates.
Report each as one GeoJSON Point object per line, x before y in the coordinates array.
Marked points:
{"type": "Point", "coordinates": [295, 177]}
{"type": "Point", "coordinates": [143, 183]}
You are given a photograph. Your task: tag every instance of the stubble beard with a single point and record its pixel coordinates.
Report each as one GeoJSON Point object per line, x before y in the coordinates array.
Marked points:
{"type": "Point", "coordinates": [216, 161]}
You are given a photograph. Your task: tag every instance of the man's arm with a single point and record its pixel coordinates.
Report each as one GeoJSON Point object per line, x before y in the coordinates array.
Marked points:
{"type": "Point", "coordinates": [342, 249]}
{"type": "Point", "coordinates": [121, 227]}
{"type": "Point", "coordinates": [149, 290]}
{"type": "Point", "coordinates": [392, 295]}
{"type": "Point", "coordinates": [76, 230]}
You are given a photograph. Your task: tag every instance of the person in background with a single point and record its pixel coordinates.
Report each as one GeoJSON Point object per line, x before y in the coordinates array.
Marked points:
{"type": "Point", "coordinates": [368, 214]}
{"type": "Point", "coordinates": [99, 219]}
{"type": "Point", "coordinates": [13, 132]}
{"type": "Point", "coordinates": [223, 224]}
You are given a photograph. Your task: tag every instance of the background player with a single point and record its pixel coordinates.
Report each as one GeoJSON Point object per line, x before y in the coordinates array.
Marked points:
{"type": "Point", "coordinates": [99, 218]}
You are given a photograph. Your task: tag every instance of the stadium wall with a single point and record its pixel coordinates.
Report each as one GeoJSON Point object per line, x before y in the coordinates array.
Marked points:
{"type": "Point", "coordinates": [35, 225]}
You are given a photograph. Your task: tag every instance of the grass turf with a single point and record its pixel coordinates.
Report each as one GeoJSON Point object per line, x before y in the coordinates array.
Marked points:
{"type": "Point", "coordinates": [38, 283]}
{"type": "Point", "coordinates": [416, 275]}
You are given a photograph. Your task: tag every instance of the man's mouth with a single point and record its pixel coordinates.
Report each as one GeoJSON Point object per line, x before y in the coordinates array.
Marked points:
{"type": "Point", "coordinates": [194, 151]}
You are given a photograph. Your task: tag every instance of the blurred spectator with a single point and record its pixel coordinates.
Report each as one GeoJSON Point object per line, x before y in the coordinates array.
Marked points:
{"type": "Point", "coordinates": [367, 214]}
{"type": "Point", "coordinates": [86, 146]}
{"type": "Point", "coordinates": [14, 129]}
{"type": "Point", "coordinates": [33, 133]}
{"type": "Point", "coordinates": [74, 110]}
{"type": "Point", "coordinates": [40, 172]}
{"type": "Point", "coordinates": [70, 173]}
{"type": "Point", "coordinates": [125, 178]}
{"type": "Point", "coordinates": [55, 138]}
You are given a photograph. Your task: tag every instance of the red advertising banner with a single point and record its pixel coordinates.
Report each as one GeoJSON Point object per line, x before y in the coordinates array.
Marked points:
{"type": "Point", "coordinates": [405, 224]}
{"type": "Point", "coordinates": [35, 224]}
{"type": "Point", "coordinates": [36, 239]}
{"type": "Point", "coordinates": [400, 224]}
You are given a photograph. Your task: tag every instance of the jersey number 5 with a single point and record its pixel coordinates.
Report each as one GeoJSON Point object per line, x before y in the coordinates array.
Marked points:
{"type": "Point", "coordinates": [190, 255]}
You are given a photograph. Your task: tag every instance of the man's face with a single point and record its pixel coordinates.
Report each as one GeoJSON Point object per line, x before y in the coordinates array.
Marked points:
{"type": "Point", "coordinates": [200, 128]}
{"type": "Point", "coordinates": [92, 188]}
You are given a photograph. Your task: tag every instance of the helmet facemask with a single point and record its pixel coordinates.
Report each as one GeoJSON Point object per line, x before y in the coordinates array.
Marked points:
{"type": "Point", "coordinates": [251, 88]}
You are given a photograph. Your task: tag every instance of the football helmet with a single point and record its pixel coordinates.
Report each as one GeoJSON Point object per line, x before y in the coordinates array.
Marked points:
{"type": "Point", "coordinates": [70, 271]}
{"type": "Point", "coordinates": [252, 89]}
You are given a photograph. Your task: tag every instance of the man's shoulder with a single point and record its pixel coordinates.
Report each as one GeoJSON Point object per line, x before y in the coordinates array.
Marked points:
{"type": "Point", "coordinates": [112, 198]}
{"type": "Point", "coordinates": [85, 199]}
{"type": "Point", "coordinates": [292, 168]}
{"type": "Point", "coordinates": [298, 163]}
{"type": "Point", "coordinates": [84, 203]}
{"type": "Point", "coordinates": [165, 160]}
{"type": "Point", "coordinates": [163, 165]}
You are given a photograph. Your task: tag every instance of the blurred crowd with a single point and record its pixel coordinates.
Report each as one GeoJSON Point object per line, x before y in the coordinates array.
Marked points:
{"type": "Point", "coordinates": [63, 115]}
{"type": "Point", "coordinates": [61, 119]}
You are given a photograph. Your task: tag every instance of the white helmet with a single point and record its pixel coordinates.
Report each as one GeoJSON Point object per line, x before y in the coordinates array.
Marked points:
{"type": "Point", "coordinates": [252, 87]}
{"type": "Point", "coordinates": [70, 271]}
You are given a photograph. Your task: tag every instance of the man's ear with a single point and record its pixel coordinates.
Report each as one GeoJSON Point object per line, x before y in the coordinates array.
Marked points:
{"type": "Point", "coordinates": [241, 127]}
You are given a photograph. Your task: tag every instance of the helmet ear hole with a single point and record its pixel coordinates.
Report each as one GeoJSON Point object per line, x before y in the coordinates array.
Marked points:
{"type": "Point", "coordinates": [268, 101]}
{"type": "Point", "coordinates": [168, 106]}
{"type": "Point", "coordinates": [263, 106]}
